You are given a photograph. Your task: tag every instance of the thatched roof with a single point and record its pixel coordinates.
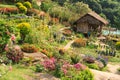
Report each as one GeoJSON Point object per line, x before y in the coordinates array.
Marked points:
{"type": "Point", "coordinates": [95, 16]}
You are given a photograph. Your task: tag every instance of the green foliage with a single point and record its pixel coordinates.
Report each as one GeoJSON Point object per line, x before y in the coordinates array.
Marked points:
{"type": "Point", "coordinates": [69, 11]}
{"type": "Point", "coordinates": [29, 48]}
{"type": "Point", "coordinates": [24, 29]}
{"type": "Point", "coordinates": [34, 5]}
{"type": "Point", "coordinates": [80, 35]}
{"type": "Point", "coordinates": [109, 8]}
{"type": "Point", "coordinates": [23, 9]}
{"type": "Point", "coordinates": [18, 4]}
{"type": "Point", "coordinates": [4, 34]}
{"type": "Point", "coordinates": [45, 6]}
{"type": "Point", "coordinates": [117, 45]}
{"type": "Point", "coordinates": [39, 68]}
{"type": "Point", "coordinates": [15, 73]}
{"type": "Point", "coordinates": [93, 66]}
{"type": "Point", "coordinates": [14, 54]}
{"type": "Point", "coordinates": [118, 69]}
{"type": "Point", "coordinates": [27, 4]}
{"type": "Point", "coordinates": [81, 75]}
{"type": "Point", "coordinates": [75, 59]}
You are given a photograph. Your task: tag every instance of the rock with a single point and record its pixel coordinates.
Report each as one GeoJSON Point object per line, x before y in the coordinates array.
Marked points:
{"type": "Point", "coordinates": [99, 63]}
{"type": "Point", "coordinates": [100, 75]}
{"type": "Point", "coordinates": [36, 57]}
{"type": "Point", "coordinates": [44, 76]}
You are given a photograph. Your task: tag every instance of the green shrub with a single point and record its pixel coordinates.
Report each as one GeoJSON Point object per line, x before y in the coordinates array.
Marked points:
{"type": "Point", "coordinates": [118, 45]}
{"type": "Point", "coordinates": [75, 59]}
{"type": "Point", "coordinates": [4, 34]}
{"type": "Point", "coordinates": [27, 4]}
{"type": "Point", "coordinates": [29, 48]}
{"type": "Point", "coordinates": [23, 9]}
{"type": "Point", "coordinates": [93, 66]}
{"type": "Point", "coordinates": [18, 4]}
{"type": "Point", "coordinates": [45, 6]}
{"type": "Point", "coordinates": [81, 75]}
{"type": "Point", "coordinates": [79, 42]}
{"type": "Point", "coordinates": [39, 68]}
{"type": "Point", "coordinates": [24, 29]}
{"type": "Point", "coordinates": [80, 35]}
{"type": "Point", "coordinates": [118, 69]}
{"type": "Point", "coordinates": [103, 60]}
{"type": "Point", "coordinates": [14, 54]}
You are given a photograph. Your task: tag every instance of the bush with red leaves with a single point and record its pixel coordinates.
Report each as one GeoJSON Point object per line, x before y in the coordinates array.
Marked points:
{"type": "Point", "coordinates": [14, 54]}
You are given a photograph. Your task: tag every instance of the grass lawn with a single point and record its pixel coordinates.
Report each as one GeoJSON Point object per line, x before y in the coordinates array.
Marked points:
{"type": "Point", "coordinates": [18, 73]}
{"type": "Point", "coordinates": [5, 5]}
{"type": "Point", "coordinates": [85, 50]}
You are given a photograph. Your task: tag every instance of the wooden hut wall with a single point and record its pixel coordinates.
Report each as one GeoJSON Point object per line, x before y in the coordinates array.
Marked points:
{"type": "Point", "coordinates": [82, 27]}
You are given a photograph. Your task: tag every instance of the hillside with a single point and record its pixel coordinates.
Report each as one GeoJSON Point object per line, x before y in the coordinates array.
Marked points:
{"type": "Point", "coordinates": [57, 40]}
{"type": "Point", "coordinates": [109, 9]}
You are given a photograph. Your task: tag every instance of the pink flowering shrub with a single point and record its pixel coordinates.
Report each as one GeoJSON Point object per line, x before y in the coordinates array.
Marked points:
{"type": "Point", "coordinates": [65, 67]}
{"type": "Point", "coordinates": [49, 64]}
{"type": "Point", "coordinates": [66, 71]}
{"type": "Point", "coordinates": [68, 67]}
{"type": "Point", "coordinates": [79, 66]}
{"type": "Point", "coordinates": [13, 37]}
{"type": "Point", "coordinates": [6, 47]}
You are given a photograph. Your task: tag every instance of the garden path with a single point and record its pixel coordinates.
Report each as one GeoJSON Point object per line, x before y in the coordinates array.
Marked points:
{"type": "Point", "coordinates": [44, 76]}
{"type": "Point", "coordinates": [100, 75]}
{"type": "Point", "coordinates": [113, 68]}
{"type": "Point", "coordinates": [68, 45]}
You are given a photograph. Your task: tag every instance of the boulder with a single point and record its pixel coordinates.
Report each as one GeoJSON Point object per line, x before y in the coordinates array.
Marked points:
{"type": "Point", "coordinates": [100, 64]}
{"type": "Point", "coordinates": [36, 57]}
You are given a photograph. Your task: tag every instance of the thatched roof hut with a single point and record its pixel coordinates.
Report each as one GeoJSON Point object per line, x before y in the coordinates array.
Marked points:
{"type": "Point", "coordinates": [90, 22]}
